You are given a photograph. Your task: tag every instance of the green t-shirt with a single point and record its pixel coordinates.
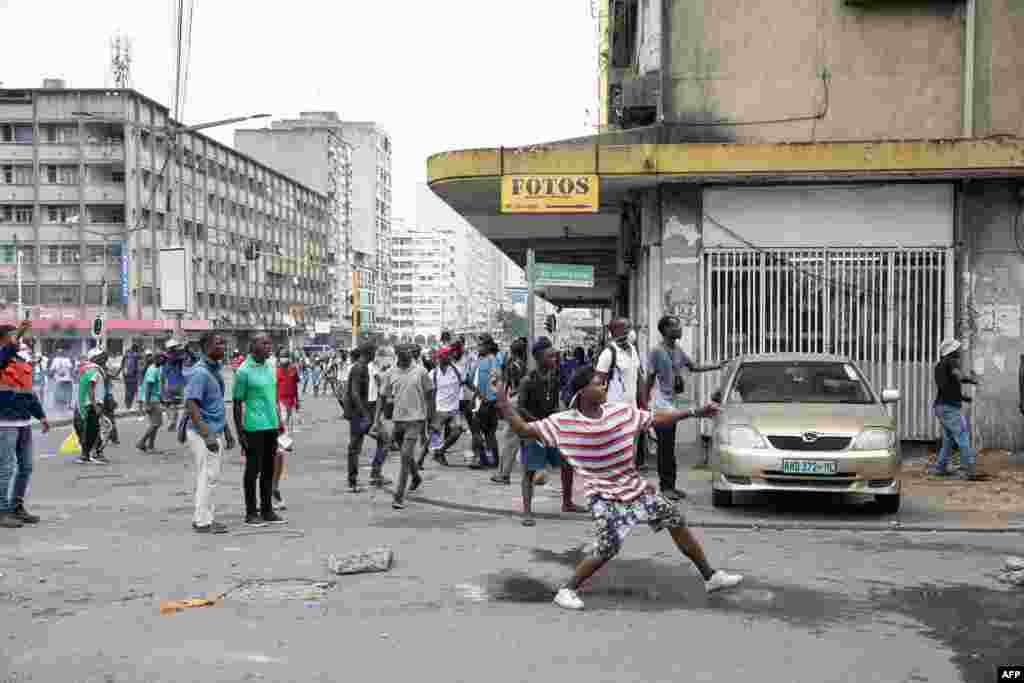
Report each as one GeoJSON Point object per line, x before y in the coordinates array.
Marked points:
{"type": "Point", "coordinates": [256, 387]}
{"type": "Point", "coordinates": [88, 377]}
{"type": "Point", "coordinates": [151, 384]}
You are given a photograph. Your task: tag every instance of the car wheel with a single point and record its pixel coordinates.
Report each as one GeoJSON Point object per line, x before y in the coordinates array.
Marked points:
{"type": "Point", "coordinates": [888, 504]}
{"type": "Point", "coordinates": [721, 499]}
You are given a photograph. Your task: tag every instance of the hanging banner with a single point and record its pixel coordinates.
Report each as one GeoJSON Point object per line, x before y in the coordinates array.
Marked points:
{"type": "Point", "coordinates": [124, 273]}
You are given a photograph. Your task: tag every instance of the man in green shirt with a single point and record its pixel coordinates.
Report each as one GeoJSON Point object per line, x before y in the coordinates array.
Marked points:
{"type": "Point", "coordinates": [150, 395]}
{"type": "Point", "coordinates": [258, 423]}
{"type": "Point", "coordinates": [88, 413]}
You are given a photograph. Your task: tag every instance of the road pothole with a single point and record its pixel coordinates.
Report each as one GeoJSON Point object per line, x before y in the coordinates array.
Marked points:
{"type": "Point", "coordinates": [271, 590]}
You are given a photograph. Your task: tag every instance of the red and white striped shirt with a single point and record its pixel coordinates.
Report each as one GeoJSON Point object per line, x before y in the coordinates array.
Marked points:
{"type": "Point", "coordinates": [601, 449]}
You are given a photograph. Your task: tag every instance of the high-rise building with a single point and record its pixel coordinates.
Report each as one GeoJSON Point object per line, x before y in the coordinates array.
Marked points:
{"type": "Point", "coordinates": [352, 160]}
{"type": "Point", "coordinates": [312, 149]}
{"type": "Point", "coordinates": [92, 186]}
{"type": "Point", "coordinates": [425, 296]}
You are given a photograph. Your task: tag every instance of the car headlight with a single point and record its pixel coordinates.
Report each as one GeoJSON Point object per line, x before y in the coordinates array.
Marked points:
{"type": "Point", "coordinates": [874, 440]}
{"type": "Point", "coordinates": [743, 437]}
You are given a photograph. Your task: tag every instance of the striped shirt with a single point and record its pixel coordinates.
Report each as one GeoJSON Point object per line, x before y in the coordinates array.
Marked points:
{"type": "Point", "coordinates": [601, 449]}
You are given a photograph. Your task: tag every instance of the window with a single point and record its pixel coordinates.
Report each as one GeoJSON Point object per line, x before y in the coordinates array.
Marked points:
{"type": "Point", "coordinates": [53, 254]}
{"type": "Point", "coordinates": [213, 301]}
{"type": "Point", "coordinates": [223, 301]}
{"type": "Point", "coordinates": [28, 253]}
{"type": "Point", "coordinates": [95, 253]}
{"type": "Point", "coordinates": [7, 253]}
{"type": "Point", "coordinates": [11, 174]}
{"type": "Point", "coordinates": [147, 256]}
{"type": "Point", "coordinates": [23, 214]}
{"type": "Point", "coordinates": [147, 296]}
{"type": "Point", "coordinates": [58, 214]}
{"type": "Point", "coordinates": [58, 294]}
{"type": "Point", "coordinates": [23, 134]}
{"type": "Point", "coordinates": [70, 254]}
{"type": "Point", "coordinates": [6, 214]}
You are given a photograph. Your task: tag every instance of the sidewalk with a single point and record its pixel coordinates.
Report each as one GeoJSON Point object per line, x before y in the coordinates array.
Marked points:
{"type": "Point", "coordinates": [924, 507]}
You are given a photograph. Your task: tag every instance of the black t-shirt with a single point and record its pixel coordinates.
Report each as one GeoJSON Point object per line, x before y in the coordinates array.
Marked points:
{"type": "Point", "coordinates": [538, 394]}
{"type": "Point", "coordinates": [949, 388]}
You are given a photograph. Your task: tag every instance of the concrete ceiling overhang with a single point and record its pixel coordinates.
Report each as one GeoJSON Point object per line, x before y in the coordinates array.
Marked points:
{"type": "Point", "coordinates": [470, 182]}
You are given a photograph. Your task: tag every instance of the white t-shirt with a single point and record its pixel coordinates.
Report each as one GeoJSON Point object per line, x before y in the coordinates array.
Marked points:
{"type": "Point", "coordinates": [61, 369]}
{"type": "Point", "coordinates": [374, 391]}
{"type": "Point", "coordinates": [621, 387]}
{"type": "Point", "coordinates": [448, 384]}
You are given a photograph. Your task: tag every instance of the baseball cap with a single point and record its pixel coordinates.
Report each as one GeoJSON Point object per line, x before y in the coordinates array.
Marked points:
{"type": "Point", "coordinates": [172, 343]}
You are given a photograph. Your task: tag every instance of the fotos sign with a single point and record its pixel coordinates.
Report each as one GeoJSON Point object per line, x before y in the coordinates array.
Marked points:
{"type": "Point", "coordinates": [550, 194]}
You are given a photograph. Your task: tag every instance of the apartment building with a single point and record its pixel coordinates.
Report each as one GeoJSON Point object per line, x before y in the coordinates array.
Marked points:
{"type": "Point", "coordinates": [425, 295]}
{"type": "Point", "coordinates": [92, 187]}
{"type": "Point", "coordinates": [313, 150]}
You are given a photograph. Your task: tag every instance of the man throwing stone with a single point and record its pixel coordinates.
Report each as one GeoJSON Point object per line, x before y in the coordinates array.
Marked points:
{"type": "Point", "coordinates": [598, 440]}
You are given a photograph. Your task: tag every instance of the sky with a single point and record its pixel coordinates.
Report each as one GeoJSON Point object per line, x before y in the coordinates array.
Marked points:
{"type": "Point", "coordinates": [437, 76]}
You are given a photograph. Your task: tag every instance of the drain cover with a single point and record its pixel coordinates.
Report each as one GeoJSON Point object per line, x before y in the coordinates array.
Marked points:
{"type": "Point", "coordinates": [263, 590]}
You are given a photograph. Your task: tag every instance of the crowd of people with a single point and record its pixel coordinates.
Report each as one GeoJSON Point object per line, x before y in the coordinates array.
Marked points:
{"type": "Point", "coordinates": [583, 414]}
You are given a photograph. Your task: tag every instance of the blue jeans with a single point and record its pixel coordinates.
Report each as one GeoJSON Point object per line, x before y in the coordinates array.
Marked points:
{"type": "Point", "coordinates": [15, 456]}
{"type": "Point", "coordinates": [954, 430]}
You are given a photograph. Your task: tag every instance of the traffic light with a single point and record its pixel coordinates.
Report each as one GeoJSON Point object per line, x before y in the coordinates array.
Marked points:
{"type": "Point", "coordinates": [551, 324]}
{"type": "Point", "coordinates": [97, 328]}
{"type": "Point", "coordinates": [250, 251]}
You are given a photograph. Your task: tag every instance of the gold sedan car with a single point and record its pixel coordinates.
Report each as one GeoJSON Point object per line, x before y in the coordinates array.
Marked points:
{"type": "Point", "coordinates": [803, 422]}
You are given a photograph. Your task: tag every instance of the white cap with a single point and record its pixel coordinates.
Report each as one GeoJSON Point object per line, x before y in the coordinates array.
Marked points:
{"type": "Point", "coordinates": [949, 346]}
{"type": "Point", "coordinates": [172, 343]}
{"type": "Point", "coordinates": [95, 352]}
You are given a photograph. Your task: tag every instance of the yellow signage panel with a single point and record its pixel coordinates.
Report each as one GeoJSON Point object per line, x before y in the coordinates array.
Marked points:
{"type": "Point", "coordinates": [550, 194]}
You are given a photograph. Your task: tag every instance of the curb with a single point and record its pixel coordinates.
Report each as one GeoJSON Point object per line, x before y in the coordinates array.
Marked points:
{"type": "Point", "coordinates": [736, 526]}
{"type": "Point", "coordinates": [65, 421]}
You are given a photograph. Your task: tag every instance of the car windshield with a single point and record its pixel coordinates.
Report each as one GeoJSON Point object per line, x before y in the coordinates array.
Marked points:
{"type": "Point", "coordinates": [801, 382]}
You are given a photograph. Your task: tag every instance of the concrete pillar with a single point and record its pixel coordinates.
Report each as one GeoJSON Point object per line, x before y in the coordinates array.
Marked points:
{"type": "Point", "coordinates": [680, 248]}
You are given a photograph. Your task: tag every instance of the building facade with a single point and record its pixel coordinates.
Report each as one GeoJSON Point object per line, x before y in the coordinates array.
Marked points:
{"type": "Point", "coordinates": [843, 178]}
{"type": "Point", "coordinates": [425, 296]}
{"type": "Point", "coordinates": [312, 149]}
{"type": "Point", "coordinates": [92, 186]}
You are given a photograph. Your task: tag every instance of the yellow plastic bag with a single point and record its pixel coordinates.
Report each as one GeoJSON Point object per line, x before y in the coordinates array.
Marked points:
{"type": "Point", "coordinates": [70, 445]}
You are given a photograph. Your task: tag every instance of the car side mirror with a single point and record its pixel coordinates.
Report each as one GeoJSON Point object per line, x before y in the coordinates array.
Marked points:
{"type": "Point", "coordinates": [891, 396]}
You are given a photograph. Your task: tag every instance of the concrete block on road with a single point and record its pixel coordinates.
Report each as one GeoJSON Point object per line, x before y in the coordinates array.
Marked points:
{"type": "Point", "coordinates": [1014, 564]}
{"type": "Point", "coordinates": [373, 560]}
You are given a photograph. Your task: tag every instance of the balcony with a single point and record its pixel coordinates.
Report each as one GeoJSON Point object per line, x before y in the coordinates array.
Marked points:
{"type": "Point", "coordinates": [57, 151]}
{"type": "Point", "coordinates": [17, 193]}
{"type": "Point", "coordinates": [10, 151]}
{"type": "Point", "coordinates": [104, 152]}
{"type": "Point", "coordinates": [104, 193]}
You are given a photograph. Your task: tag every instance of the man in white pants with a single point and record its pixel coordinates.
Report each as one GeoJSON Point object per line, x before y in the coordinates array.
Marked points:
{"type": "Point", "coordinates": [207, 432]}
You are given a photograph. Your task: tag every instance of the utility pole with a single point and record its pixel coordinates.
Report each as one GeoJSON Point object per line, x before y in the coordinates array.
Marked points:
{"type": "Point", "coordinates": [531, 303]}
{"type": "Point", "coordinates": [17, 259]}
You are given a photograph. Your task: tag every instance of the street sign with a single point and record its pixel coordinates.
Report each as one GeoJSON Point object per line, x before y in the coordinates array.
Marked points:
{"type": "Point", "coordinates": [550, 194]}
{"type": "Point", "coordinates": [322, 327]}
{"type": "Point", "coordinates": [563, 275]}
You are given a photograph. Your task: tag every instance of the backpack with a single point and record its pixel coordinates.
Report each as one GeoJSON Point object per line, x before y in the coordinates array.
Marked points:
{"type": "Point", "coordinates": [615, 366]}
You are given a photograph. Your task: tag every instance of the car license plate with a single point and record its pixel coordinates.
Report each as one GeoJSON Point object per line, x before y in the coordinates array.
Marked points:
{"type": "Point", "coordinates": [809, 466]}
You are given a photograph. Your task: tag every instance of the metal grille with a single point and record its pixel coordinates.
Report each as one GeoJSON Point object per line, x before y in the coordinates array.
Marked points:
{"type": "Point", "coordinates": [823, 443]}
{"type": "Point", "coordinates": [887, 309]}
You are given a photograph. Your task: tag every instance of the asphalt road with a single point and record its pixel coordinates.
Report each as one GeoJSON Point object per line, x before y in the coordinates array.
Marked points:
{"type": "Point", "coordinates": [468, 598]}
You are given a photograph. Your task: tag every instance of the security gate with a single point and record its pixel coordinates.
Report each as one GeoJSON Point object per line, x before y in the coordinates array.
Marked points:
{"type": "Point", "coordinates": [886, 309]}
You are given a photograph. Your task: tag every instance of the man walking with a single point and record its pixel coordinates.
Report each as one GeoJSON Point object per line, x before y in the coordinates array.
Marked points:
{"type": "Point", "coordinates": [445, 429]}
{"type": "Point", "coordinates": [949, 379]}
{"type": "Point", "coordinates": [486, 377]}
{"type": "Point", "coordinates": [512, 375]}
{"type": "Point", "coordinates": [132, 375]}
{"type": "Point", "coordinates": [173, 382]}
{"type": "Point", "coordinates": [89, 408]}
{"type": "Point", "coordinates": [597, 439]}
{"type": "Point", "coordinates": [150, 397]}
{"type": "Point", "coordinates": [62, 372]}
{"type": "Point", "coordinates": [255, 393]}
{"type": "Point", "coordinates": [361, 417]}
{"type": "Point", "coordinates": [538, 400]}
{"type": "Point", "coordinates": [667, 361]}
{"type": "Point", "coordinates": [18, 405]}
{"type": "Point", "coordinates": [208, 433]}
{"type": "Point", "coordinates": [408, 387]}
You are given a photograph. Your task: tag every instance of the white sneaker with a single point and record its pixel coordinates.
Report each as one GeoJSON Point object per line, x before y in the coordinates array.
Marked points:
{"type": "Point", "coordinates": [567, 598]}
{"type": "Point", "coordinates": [720, 580]}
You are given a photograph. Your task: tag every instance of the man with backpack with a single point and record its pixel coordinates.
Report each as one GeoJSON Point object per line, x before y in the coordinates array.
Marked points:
{"type": "Point", "coordinates": [667, 361]}
{"type": "Point", "coordinates": [484, 387]}
{"type": "Point", "coordinates": [620, 366]}
{"type": "Point", "coordinates": [446, 429]}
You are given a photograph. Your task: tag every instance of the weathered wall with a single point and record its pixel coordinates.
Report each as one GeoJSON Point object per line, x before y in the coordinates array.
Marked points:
{"type": "Point", "coordinates": [991, 320]}
{"type": "Point", "coordinates": [999, 107]}
{"type": "Point", "coordinates": [895, 70]}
